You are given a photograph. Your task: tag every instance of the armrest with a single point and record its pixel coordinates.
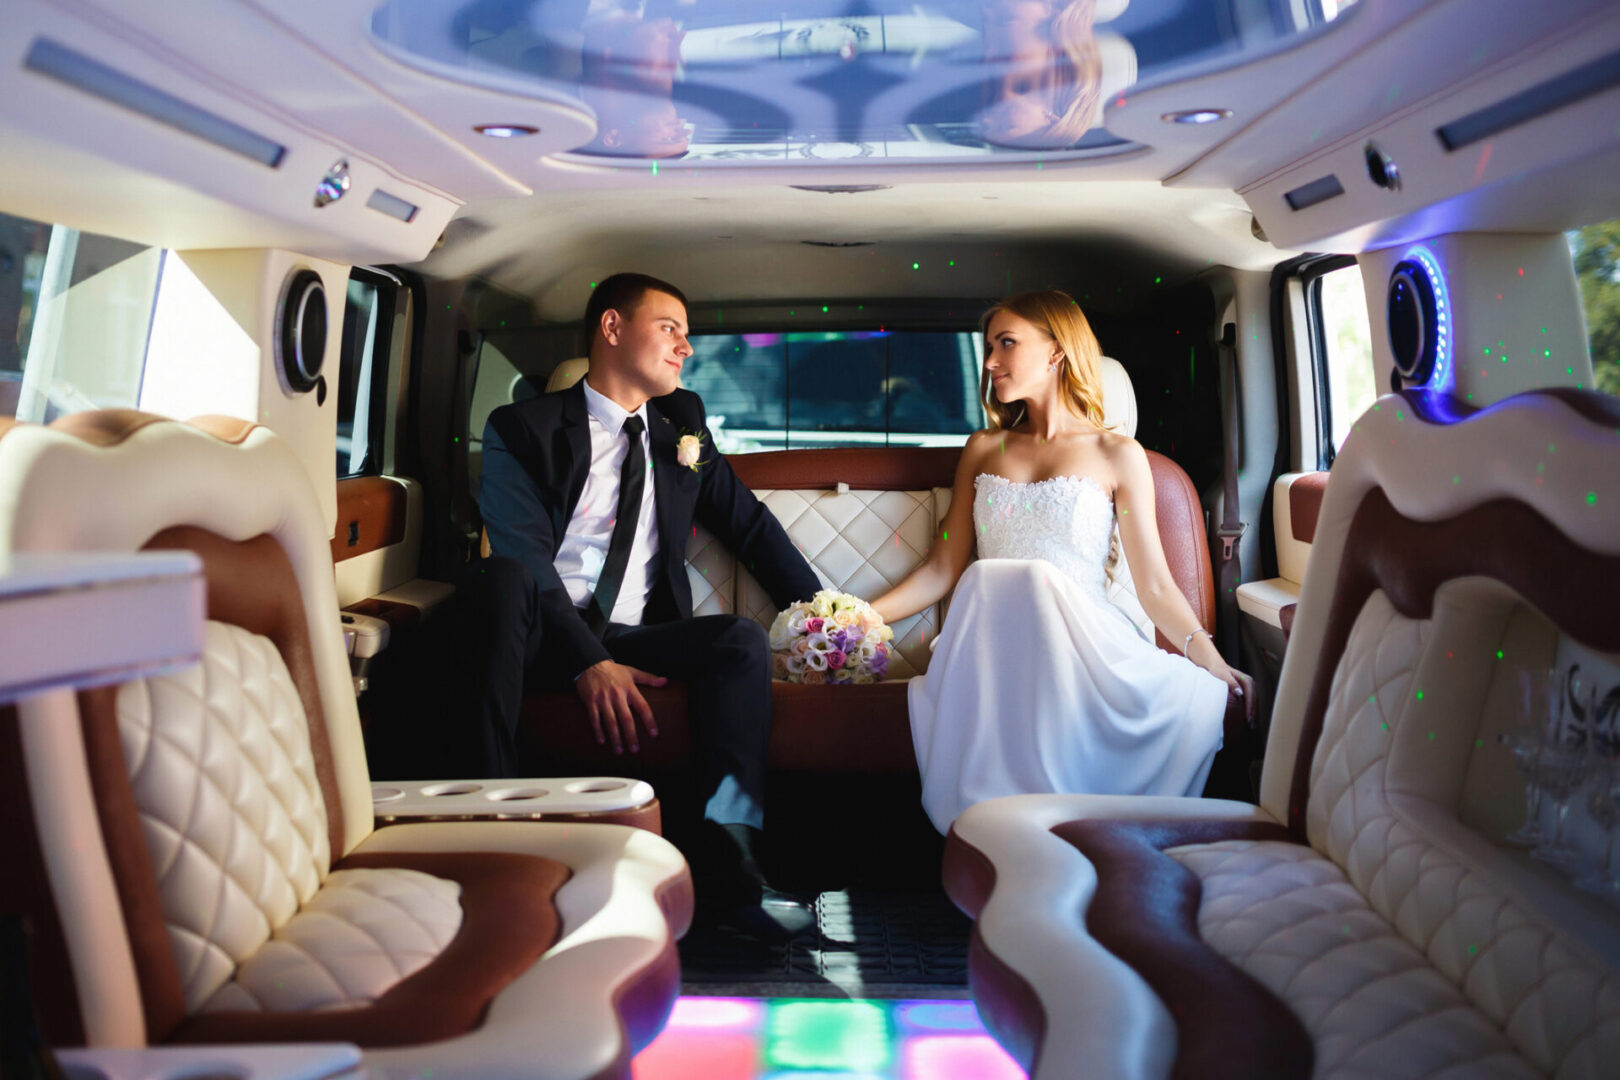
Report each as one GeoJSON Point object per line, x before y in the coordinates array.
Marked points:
{"type": "Point", "coordinates": [603, 990]}
{"type": "Point", "coordinates": [1031, 890]}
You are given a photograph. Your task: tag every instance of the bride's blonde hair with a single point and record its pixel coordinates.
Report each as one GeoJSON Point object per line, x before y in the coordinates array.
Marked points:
{"type": "Point", "coordinates": [1055, 314]}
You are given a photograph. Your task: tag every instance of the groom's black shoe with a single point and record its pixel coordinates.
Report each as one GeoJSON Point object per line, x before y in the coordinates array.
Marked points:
{"type": "Point", "coordinates": [732, 890]}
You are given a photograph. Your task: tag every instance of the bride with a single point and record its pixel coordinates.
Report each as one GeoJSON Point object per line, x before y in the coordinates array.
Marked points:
{"type": "Point", "coordinates": [1037, 682]}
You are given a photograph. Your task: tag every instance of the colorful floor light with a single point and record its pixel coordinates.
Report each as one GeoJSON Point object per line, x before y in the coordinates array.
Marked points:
{"type": "Point", "coordinates": [850, 1035]}
{"type": "Point", "coordinates": [722, 1038]}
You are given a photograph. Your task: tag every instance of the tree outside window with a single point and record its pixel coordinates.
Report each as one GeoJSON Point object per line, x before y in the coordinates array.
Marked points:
{"type": "Point", "coordinates": [1596, 250]}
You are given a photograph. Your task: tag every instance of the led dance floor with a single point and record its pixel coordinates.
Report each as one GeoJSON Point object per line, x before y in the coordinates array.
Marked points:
{"type": "Point", "coordinates": [715, 1038]}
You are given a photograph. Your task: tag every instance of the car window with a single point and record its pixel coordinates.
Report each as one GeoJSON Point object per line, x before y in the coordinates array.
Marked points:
{"type": "Point", "coordinates": [367, 324]}
{"type": "Point", "coordinates": [1596, 251]}
{"type": "Point", "coordinates": [75, 316]}
{"type": "Point", "coordinates": [775, 391]}
{"type": "Point", "coordinates": [1351, 383]}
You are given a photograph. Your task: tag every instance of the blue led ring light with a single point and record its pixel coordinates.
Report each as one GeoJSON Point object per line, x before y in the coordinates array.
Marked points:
{"type": "Point", "coordinates": [1421, 321]}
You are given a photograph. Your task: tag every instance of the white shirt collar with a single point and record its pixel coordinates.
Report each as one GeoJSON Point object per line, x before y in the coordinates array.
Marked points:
{"type": "Point", "coordinates": [609, 413]}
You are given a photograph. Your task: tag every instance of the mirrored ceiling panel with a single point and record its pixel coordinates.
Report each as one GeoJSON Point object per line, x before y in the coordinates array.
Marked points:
{"type": "Point", "coordinates": [838, 81]}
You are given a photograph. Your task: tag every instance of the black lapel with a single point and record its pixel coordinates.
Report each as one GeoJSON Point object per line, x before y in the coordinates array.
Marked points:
{"type": "Point", "coordinates": [661, 435]}
{"type": "Point", "coordinates": [576, 426]}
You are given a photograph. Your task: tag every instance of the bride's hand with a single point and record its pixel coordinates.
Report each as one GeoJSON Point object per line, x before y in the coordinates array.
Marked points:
{"type": "Point", "coordinates": [1202, 652]}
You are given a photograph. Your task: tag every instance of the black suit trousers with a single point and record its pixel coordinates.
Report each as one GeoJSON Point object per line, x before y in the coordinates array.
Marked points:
{"type": "Point", "coordinates": [724, 660]}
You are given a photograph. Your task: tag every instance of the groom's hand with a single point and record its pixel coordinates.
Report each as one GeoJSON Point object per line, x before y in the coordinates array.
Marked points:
{"type": "Point", "coordinates": [609, 692]}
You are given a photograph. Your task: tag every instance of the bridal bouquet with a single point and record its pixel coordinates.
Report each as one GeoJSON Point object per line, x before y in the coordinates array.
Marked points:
{"type": "Point", "coordinates": [833, 637]}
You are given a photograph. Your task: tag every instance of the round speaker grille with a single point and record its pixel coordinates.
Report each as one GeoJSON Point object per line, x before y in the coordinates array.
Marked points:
{"type": "Point", "coordinates": [1416, 323]}
{"type": "Point", "coordinates": [301, 341]}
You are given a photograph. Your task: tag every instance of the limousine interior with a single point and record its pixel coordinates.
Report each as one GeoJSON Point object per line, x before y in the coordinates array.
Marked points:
{"type": "Point", "coordinates": [267, 267]}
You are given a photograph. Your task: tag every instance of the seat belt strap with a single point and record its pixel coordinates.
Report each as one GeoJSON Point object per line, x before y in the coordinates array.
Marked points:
{"type": "Point", "coordinates": [1230, 531]}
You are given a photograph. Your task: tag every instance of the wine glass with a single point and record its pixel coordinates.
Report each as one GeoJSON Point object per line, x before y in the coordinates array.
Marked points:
{"type": "Point", "coordinates": [1540, 693]}
{"type": "Point", "coordinates": [1562, 765]}
{"type": "Point", "coordinates": [1603, 800]}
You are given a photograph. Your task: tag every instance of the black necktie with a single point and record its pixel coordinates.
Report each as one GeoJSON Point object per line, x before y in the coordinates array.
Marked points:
{"type": "Point", "coordinates": [632, 481]}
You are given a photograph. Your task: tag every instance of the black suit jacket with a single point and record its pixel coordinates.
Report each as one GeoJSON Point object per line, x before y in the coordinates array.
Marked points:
{"type": "Point", "coordinates": [549, 436]}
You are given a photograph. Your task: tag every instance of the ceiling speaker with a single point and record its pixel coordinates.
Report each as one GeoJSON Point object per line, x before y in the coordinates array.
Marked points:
{"type": "Point", "coordinates": [301, 333]}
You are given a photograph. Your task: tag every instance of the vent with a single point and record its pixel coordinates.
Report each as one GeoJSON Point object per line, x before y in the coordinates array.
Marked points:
{"type": "Point", "coordinates": [837, 243]}
{"type": "Point", "coordinates": [1538, 100]}
{"type": "Point", "coordinates": [1317, 191]}
{"type": "Point", "coordinates": [392, 205]}
{"type": "Point", "coordinates": [97, 79]}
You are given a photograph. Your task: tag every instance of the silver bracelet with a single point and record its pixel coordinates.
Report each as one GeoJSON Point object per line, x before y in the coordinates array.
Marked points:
{"type": "Point", "coordinates": [1195, 633]}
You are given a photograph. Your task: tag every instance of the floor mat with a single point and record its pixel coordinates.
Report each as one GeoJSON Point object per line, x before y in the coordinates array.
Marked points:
{"type": "Point", "coordinates": [869, 944]}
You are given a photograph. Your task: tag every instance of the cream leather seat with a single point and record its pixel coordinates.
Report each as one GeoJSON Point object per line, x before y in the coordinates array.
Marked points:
{"type": "Point", "coordinates": [1365, 919]}
{"type": "Point", "coordinates": [250, 898]}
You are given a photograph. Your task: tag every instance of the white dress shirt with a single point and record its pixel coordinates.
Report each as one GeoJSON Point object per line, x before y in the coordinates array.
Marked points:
{"type": "Point", "coordinates": [583, 550]}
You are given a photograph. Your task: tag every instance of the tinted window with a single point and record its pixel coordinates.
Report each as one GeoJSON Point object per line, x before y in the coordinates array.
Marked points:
{"type": "Point", "coordinates": [852, 388]}
{"type": "Point", "coordinates": [367, 323]}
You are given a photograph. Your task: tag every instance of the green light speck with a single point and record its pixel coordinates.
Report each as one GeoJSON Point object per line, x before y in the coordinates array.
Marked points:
{"type": "Point", "coordinates": [1499, 654]}
{"type": "Point", "coordinates": [1591, 498]}
{"type": "Point", "coordinates": [916, 266]}
{"type": "Point", "coordinates": [1420, 695]}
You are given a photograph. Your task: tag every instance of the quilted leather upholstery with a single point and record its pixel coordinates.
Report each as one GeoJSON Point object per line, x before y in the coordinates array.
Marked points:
{"type": "Point", "coordinates": [219, 758]}
{"type": "Point", "coordinates": [1374, 1005]}
{"type": "Point", "coordinates": [712, 573]}
{"type": "Point", "coordinates": [364, 931]}
{"type": "Point", "coordinates": [1410, 857]}
{"type": "Point", "coordinates": [862, 542]}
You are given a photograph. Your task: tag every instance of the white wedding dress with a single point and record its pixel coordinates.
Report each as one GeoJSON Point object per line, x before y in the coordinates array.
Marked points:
{"type": "Point", "coordinates": [1037, 683]}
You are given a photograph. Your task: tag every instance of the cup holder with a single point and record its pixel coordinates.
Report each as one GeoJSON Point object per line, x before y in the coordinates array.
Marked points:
{"type": "Point", "coordinates": [458, 787]}
{"type": "Point", "coordinates": [581, 787]}
{"type": "Point", "coordinates": [512, 794]}
{"type": "Point", "coordinates": [386, 794]}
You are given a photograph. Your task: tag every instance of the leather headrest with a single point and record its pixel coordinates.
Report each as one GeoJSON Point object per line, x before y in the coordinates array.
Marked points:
{"type": "Point", "coordinates": [1119, 397]}
{"type": "Point", "coordinates": [568, 373]}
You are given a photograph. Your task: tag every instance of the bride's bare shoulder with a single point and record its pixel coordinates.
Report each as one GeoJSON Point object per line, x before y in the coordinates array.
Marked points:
{"type": "Point", "coordinates": [1125, 456]}
{"type": "Point", "coordinates": [980, 444]}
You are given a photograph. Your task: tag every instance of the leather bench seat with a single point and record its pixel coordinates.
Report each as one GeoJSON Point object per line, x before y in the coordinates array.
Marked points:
{"type": "Point", "coordinates": [1367, 918]}
{"type": "Point", "coordinates": [199, 846]}
{"type": "Point", "coordinates": [864, 518]}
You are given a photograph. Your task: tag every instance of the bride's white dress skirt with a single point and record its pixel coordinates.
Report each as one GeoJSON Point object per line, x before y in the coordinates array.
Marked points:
{"type": "Point", "coordinates": [1039, 686]}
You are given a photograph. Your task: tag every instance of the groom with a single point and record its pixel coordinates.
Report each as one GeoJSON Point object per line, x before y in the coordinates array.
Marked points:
{"type": "Point", "coordinates": [588, 498]}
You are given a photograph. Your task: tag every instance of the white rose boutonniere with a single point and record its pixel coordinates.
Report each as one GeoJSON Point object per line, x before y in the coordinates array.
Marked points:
{"type": "Point", "coordinates": [689, 450]}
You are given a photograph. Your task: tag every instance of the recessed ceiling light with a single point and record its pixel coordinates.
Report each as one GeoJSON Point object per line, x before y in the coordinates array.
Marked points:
{"type": "Point", "coordinates": [1196, 116]}
{"type": "Point", "coordinates": [506, 131]}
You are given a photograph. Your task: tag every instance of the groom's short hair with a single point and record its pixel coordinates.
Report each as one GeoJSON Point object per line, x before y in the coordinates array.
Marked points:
{"type": "Point", "coordinates": [621, 293]}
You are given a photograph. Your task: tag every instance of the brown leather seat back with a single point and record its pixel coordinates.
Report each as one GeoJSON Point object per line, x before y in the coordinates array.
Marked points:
{"type": "Point", "coordinates": [1182, 532]}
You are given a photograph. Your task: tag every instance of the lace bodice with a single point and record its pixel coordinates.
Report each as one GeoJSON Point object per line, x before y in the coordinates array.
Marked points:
{"type": "Point", "coordinates": [1066, 520]}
